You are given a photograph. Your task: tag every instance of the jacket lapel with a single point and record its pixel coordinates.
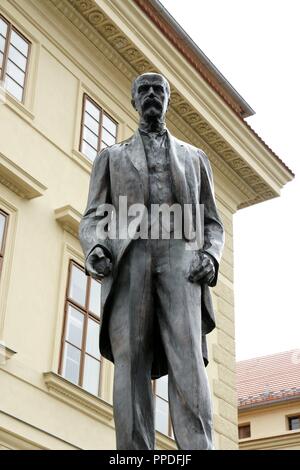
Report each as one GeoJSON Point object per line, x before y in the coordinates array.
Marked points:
{"type": "Point", "coordinates": [136, 153]}
{"type": "Point", "coordinates": [177, 156]}
{"type": "Point", "coordinates": [182, 178]}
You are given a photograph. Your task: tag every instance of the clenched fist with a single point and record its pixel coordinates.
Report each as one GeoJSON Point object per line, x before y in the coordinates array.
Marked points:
{"type": "Point", "coordinates": [202, 269]}
{"type": "Point", "coordinates": [97, 264]}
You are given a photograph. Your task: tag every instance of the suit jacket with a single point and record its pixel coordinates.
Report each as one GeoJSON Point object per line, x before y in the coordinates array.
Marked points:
{"type": "Point", "coordinates": [121, 170]}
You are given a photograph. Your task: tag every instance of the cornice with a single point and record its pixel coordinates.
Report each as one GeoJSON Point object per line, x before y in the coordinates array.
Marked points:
{"type": "Point", "coordinates": [249, 405]}
{"type": "Point", "coordinates": [5, 353]}
{"type": "Point", "coordinates": [11, 441]}
{"type": "Point", "coordinates": [212, 151]}
{"type": "Point", "coordinates": [91, 405]}
{"type": "Point", "coordinates": [155, 15]}
{"type": "Point", "coordinates": [69, 218]}
{"type": "Point", "coordinates": [78, 398]}
{"type": "Point", "coordinates": [18, 180]}
{"type": "Point", "coordinates": [281, 441]}
{"type": "Point", "coordinates": [88, 18]}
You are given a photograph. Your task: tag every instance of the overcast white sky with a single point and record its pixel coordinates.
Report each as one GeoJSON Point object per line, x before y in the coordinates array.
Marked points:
{"type": "Point", "coordinates": [255, 44]}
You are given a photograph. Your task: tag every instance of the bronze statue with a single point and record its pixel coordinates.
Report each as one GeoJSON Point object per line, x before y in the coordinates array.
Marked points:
{"type": "Point", "coordinates": [156, 304]}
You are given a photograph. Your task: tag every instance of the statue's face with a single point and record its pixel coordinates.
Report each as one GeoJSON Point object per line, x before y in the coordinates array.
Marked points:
{"type": "Point", "coordinates": [151, 96]}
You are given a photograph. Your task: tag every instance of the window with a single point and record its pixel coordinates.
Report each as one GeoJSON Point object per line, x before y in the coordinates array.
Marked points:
{"type": "Point", "coordinates": [294, 422]}
{"type": "Point", "coordinates": [14, 54]}
{"type": "Point", "coordinates": [162, 414]}
{"type": "Point", "coordinates": [3, 231]}
{"type": "Point", "coordinates": [98, 129]}
{"type": "Point", "coordinates": [244, 431]}
{"type": "Point", "coordinates": [80, 357]}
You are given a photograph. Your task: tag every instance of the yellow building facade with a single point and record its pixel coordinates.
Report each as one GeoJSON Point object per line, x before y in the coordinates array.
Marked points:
{"type": "Point", "coordinates": [66, 70]}
{"type": "Point", "coordinates": [269, 402]}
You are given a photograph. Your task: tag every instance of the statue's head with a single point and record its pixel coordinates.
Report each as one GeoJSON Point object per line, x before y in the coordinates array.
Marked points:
{"type": "Point", "coordinates": [151, 96]}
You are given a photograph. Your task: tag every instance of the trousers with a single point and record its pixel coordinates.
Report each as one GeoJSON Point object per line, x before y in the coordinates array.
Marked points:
{"type": "Point", "coordinates": [153, 293]}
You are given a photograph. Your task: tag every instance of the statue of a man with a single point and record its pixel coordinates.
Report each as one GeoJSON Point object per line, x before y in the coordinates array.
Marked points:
{"type": "Point", "coordinates": [156, 304]}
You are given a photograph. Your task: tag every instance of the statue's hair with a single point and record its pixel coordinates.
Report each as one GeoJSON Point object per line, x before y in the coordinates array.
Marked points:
{"type": "Point", "coordinates": [136, 80]}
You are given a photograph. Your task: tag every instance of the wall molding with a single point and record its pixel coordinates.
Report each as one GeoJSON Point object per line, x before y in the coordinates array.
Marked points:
{"type": "Point", "coordinates": [75, 396]}
{"type": "Point", "coordinates": [69, 218]}
{"type": "Point", "coordinates": [281, 441]}
{"type": "Point", "coordinates": [18, 180]}
{"type": "Point", "coordinates": [5, 353]}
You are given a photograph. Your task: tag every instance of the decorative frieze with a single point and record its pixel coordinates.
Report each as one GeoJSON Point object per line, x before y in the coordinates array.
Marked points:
{"type": "Point", "coordinates": [124, 54]}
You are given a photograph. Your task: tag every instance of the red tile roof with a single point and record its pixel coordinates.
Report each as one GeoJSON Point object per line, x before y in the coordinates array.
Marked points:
{"type": "Point", "coordinates": [268, 378]}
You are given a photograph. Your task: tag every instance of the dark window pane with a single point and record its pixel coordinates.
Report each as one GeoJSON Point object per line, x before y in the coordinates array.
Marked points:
{"type": "Point", "coordinates": [244, 431]}
{"type": "Point", "coordinates": [92, 109]}
{"type": "Point", "coordinates": [17, 58]}
{"type": "Point", "coordinates": [71, 364]}
{"type": "Point", "coordinates": [14, 72]}
{"type": "Point", "coordinates": [74, 326]}
{"type": "Point", "coordinates": [13, 88]}
{"type": "Point", "coordinates": [92, 340]}
{"type": "Point", "coordinates": [161, 416]}
{"type": "Point", "coordinates": [294, 422]}
{"type": "Point", "coordinates": [91, 375]}
{"type": "Point", "coordinates": [95, 297]}
{"type": "Point", "coordinates": [19, 43]}
{"type": "Point", "coordinates": [109, 125]}
{"type": "Point", "coordinates": [78, 284]}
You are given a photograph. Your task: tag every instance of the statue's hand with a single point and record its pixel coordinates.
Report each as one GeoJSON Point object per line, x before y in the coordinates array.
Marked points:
{"type": "Point", "coordinates": [97, 264]}
{"type": "Point", "coordinates": [202, 269]}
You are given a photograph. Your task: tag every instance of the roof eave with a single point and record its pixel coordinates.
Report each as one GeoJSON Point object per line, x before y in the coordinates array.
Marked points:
{"type": "Point", "coordinates": [245, 108]}
{"type": "Point", "coordinates": [267, 403]}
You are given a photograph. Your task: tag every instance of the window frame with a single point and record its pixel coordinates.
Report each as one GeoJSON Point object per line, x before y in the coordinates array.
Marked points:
{"type": "Point", "coordinates": [87, 314]}
{"type": "Point", "coordinates": [170, 427]}
{"type": "Point", "coordinates": [244, 425]}
{"type": "Point", "coordinates": [289, 418]}
{"type": "Point", "coordinates": [3, 244]}
{"type": "Point", "coordinates": [10, 28]}
{"type": "Point", "coordinates": [85, 97]}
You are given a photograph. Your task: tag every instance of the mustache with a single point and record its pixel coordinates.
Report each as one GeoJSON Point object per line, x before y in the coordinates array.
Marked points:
{"type": "Point", "coordinates": [152, 102]}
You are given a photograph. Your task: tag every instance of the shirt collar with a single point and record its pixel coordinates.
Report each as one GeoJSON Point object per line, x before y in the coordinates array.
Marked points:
{"type": "Point", "coordinates": [161, 132]}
